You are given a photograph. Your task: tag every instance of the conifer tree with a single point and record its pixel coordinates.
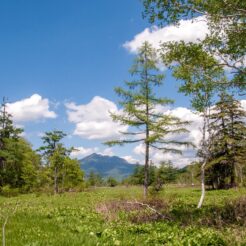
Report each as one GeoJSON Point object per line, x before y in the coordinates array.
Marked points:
{"type": "Point", "coordinates": [227, 143]}
{"type": "Point", "coordinates": [54, 152]}
{"type": "Point", "coordinates": [139, 102]}
{"type": "Point", "coordinates": [64, 170]}
{"type": "Point", "coordinates": [8, 133]}
{"type": "Point", "coordinates": [19, 164]}
{"type": "Point", "coordinates": [51, 141]}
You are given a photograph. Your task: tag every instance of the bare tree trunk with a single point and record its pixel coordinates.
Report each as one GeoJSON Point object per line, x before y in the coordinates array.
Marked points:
{"type": "Point", "coordinates": [147, 144]}
{"type": "Point", "coordinates": [205, 150]}
{"type": "Point", "coordinates": [202, 185]}
{"type": "Point", "coordinates": [146, 171]}
{"type": "Point", "coordinates": [3, 126]}
{"type": "Point", "coordinates": [192, 178]}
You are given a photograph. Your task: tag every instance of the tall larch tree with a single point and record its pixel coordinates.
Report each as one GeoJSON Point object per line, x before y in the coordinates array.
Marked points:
{"type": "Point", "coordinates": [139, 102]}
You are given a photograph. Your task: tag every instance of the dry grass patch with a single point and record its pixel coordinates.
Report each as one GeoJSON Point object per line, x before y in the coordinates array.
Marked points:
{"type": "Point", "coordinates": [134, 210]}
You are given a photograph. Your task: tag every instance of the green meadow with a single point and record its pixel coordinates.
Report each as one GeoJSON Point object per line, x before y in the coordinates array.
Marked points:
{"type": "Point", "coordinates": [114, 216]}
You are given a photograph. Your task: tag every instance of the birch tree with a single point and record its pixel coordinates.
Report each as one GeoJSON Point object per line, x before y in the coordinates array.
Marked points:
{"type": "Point", "coordinates": [200, 80]}
{"type": "Point", "coordinates": [226, 35]}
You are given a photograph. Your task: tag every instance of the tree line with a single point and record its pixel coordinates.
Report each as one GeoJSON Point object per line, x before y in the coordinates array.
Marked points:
{"type": "Point", "coordinates": [27, 170]}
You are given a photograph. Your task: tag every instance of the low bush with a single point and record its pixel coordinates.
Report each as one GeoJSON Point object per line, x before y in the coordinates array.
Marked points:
{"type": "Point", "coordinates": [235, 211]}
{"type": "Point", "coordinates": [9, 192]}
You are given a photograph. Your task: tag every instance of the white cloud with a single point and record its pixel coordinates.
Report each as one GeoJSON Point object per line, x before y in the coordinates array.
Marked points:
{"type": "Point", "coordinates": [188, 31]}
{"type": "Point", "coordinates": [139, 149]}
{"type": "Point", "coordinates": [93, 121]}
{"type": "Point", "coordinates": [177, 160]}
{"type": "Point", "coordinates": [130, 159]}
{"type": "Point", "coordinates": [31, 109]}
{"type": "Point", "coordinates": [194, 135]}
{"type": "Point", "coordinates": [81, 152]}
{"type": "Point", "coordinates": [156, 156]}
{"type": "Point", "coordinates": [107, 151]}
{"type": "Point", "coordinates": [243, 104]}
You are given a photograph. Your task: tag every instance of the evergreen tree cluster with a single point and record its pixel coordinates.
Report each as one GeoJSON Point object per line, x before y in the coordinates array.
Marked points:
{"type": "Point", "coordinates": [159, 176]}
{"type": "Point", "coordinates": [227, 144]}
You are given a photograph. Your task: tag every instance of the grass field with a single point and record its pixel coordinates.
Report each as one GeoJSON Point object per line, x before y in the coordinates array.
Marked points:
{"type": "Point", "coordinates": [100, 217]}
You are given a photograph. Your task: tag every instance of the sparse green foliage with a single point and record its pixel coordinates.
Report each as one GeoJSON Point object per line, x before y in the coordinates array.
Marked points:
{"type": "Point", "coordinates": [139, 102]}
{"type": "Point", "coordinates": [165, 174]}
{"type": "Point", "coordinates": [65, 172]}
{"type": "Point", "coordinates": [197, 71]}
{"type": "Point", "coordinates": [226, 22]}
{"type": "Point", "coordinates": [189, 175]}
{"type": "Point", "coordinates": [51, 141]}
{"type": "Point", "coordinates": [111, 182]}
{"type": "Point", "coordinates": [137, 178]}
{"type": "Point", "coordinates": [71, 175]}
{"type": "Point", "coordinates": [94, 179]}
{"type": "Point", "coordinates": [200, 80]}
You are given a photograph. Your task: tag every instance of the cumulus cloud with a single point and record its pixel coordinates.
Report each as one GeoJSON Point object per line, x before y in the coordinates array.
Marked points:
{"type": "Point", "coordinates": [156, 156]}
{"type": "Point", "coordinates": [107, 151]}
{"type": "Point", "coordinates": [31, 109]}
{"type": "Point", "coordinates": [188, 31]}
{"type": "Point", "coordinates": [130, 159]}
{"type": "Point", "coordinates": [194, 135]}
{"type": "Point", "coordinates": [177, 160]}
{"type": "Point", "coordinates": [81, 152]}
{"type": "Point", "coordinates": [93, 121]}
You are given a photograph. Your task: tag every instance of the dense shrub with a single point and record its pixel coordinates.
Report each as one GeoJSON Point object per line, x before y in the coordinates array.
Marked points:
{"type": "Point", "coordinates": [235, 211]}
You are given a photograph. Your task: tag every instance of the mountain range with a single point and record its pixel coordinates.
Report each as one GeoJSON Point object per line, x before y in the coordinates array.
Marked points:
{"type": "Point", "coordinates": [107, 166]}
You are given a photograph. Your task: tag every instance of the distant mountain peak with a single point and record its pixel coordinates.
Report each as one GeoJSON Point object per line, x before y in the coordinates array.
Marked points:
{"type": "Point", "coordinates": [107, 166]}
{"type": "Point", "coordinates": [92, 155]}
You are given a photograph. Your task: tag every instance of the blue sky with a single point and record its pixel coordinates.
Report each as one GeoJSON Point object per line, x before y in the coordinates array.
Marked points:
{"type": "Point", "coordinates": [56, 56]}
